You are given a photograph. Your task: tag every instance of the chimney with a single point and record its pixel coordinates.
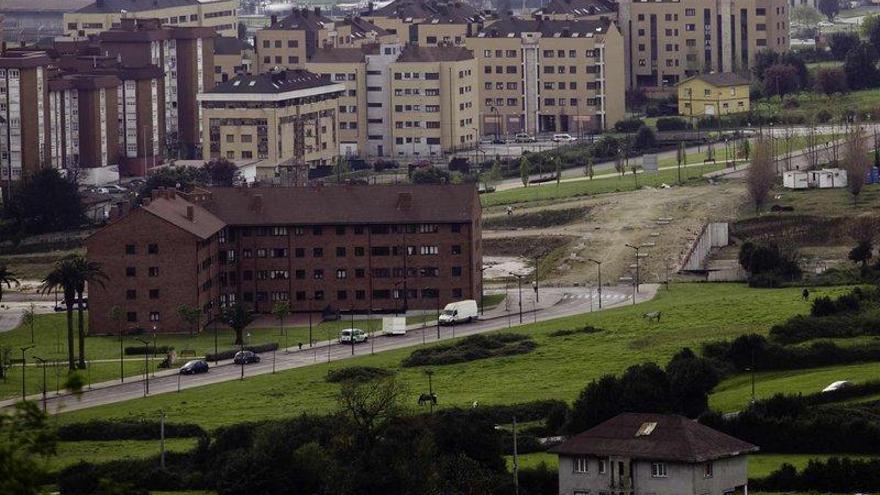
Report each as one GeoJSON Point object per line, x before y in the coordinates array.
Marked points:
{"type": "Point", "coordinates": [318, 11]}
{"type": "Point", "coordinates": [274, 19]}
{"type": "Point", "coordinates": [145, 202]}
{"type": "Point", "coordinates": [190, 213]}
{"type": "Point", "coordinates": [369, 7]}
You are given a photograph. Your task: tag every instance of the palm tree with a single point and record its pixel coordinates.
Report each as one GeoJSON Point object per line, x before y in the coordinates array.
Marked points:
{"type": "Point", "coordinates": [88, 272]}
{"type": "Point", "coordinates": [6, 277]}
{"type": "Point", "coordinates": [64, 276]}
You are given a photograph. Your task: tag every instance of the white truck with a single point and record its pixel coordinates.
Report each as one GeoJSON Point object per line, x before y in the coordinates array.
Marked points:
{"type": "Point", "coordinates": [394, 325]}
{"type": "Point", "coordinates": [459, 312]}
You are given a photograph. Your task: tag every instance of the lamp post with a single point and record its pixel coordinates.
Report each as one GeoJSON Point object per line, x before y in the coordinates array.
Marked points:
{"type": "Point", "coordinates": [481, 290]}
{"type": "Point", "coordinates": [537, 298]}
{"type": "Point", "coordinates": [599, 267]}
{"type": "Point", "coordinates": [636, 248]}
{"type": "Point", "coordinates": [23, 369]}
{"type": "Point", "coordinates": [146, 365]}
{"type": "Point", "coordinates": [43, 363]}
{"type": "Point", "coordinates": [497, 122]}
{"type": "Point", "coordinates": [519, 281]}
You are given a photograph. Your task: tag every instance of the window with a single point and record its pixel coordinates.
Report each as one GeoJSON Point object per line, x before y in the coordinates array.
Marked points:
{"type": "Point", "coordinates": [709, 470]}
{"type": "Point", "coordinates": [456, 271]}
{"type": "Point", "coordinates": [317, 252]}
{"type": "Point", "coordinates": [318, 274]}
{"type": "Point", "coordinates": [131, 316]}
{"type": "Point", "coordinates": [340, 230]}
{"type": "Point", "coordinates": [658, 470]}
{"type": "Point", "coordinates": [129, 249]}
{"type": "Point", "coordinates": [341, 273]}
{"type": "Point", "coordinates": [340, 252]}
{"type": "Point", "coordinates": [456, 249]}
{"type": "Point", "coordinates": [581, 465]}
{"type": "Point", "coordinates": [153, 271]}
{"type": "Point", "coordinates": [130, 271]}
{"type": "Point", "coordinates": [341, 295]}
{"type": "Point", "coordinates": [360, 295]}
{"type": "Point", "coordinates": [602, 466]}
{"type": "Point", "coordinates": [319, 295]}
{"type": "Point", "coordinates": [154, 316]}
{"type": "Point", "coordinates": [154, 293]}
{"type": "Point", "coordinates": [359, 273]}
{"type": "Point", "coordinates": [300, 274]}
{"type": "Point", "coordinates": [428, 250]}
{"type": "Point", "coordinates": [317, 230]}
{"type": "Point", "coordinates": [359, 251]}
{"type": "Point", "coordinates": [131, 294]}
{"type": "Point", "coordinates": [152, 249]}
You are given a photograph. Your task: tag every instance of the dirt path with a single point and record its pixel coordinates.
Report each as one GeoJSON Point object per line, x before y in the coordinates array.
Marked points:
{"type": "Point", "coordinates": [614, 220]}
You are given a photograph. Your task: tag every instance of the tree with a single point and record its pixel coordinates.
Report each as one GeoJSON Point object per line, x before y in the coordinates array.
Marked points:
{"type": "Point", "coordinates": [690, 380]}
{"type": "Point", "coordinates": [29, 319]}
{"type": "Point", "coordinates": [180, 177]}
{"type": "Point", "coordinates": [190, 316]}
{"type": "Point", "coordinates": [280, 310]}
{"type": "Point", "coordinates": [221, 172]}
{"type": "Point", "coordinates": [238, 318]}
{"type": "Point", "coordinates": [86, 272]}
{"type": "Point", "coordinates": [557, 161]}
{"type": "Point", "coordinates": [430, 175]}
{"type": "Point", "coordinates": [45, 202]}
{"type": "Point", "coordinates": [841, 42]}
{"type": "Point", "coordinates": [644, 139]}
{"type": "Point", "coordinates": [619, 162]}
{"type": "Point", "coordinates": [861, 253]}
{"type": "Point", "coordinates": [588, 171]}
{"type": "Point", "coordinates": [870, 30]}
{"type": "Point", "coordinates": [679, 158]}
{"type": "Point", "coordinates": [494, 175]}
{"type": "Point", "coordinates": [780, 80]}
{"type": "Point", "coordinates": [6, 277]}
{"type": "Point", "coordinates": [760, 176]}
{"type": "Point", "coordinates": [525, 169]}
{"type": "Point", "coordinates": [745, 149]}
{"type": "Point", "coordinates": [860, 66]}
{"type": "Point", "coordinates": [65, 277]}
{"type": "Point", "coordinates": [856, 161]}
{"type": "Point", "coordinates": [340, 167]}
{"type": "Point", "coordinates": [27, 442]}
{"type": "Point", "coordinates": [804, 15]}
{"type": "Point", "coordinates": [831, 80]}
{"type": "Point", "coordinates": [829, 8]}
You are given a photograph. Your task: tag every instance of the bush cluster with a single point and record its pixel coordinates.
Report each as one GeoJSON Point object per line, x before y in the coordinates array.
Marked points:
{"type": "Point", "coordinates": [574, 331]}
{"type": "Point", "coordinates": [230, 353]}
{"type": "Point", "coordinates": [140, 350]}
{"type": "Point", "coordinates": [471, 349]}
{"type": "Point", "coordinates": [834, 475]}
{"type": "Point", "coordinates": [850, 315]}
{"type": "Point", "coordinates": [672, 124]}
{"type": "Point", "coordinates": [118, 430]}
{"type": "Point", "coordinates": [358, 374]}
{"type": "Point", "coordinates": [754, 351]}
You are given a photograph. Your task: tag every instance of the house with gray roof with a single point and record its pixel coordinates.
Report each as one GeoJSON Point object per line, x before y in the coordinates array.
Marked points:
{"type": "Point", "coordinates": [652, 454]}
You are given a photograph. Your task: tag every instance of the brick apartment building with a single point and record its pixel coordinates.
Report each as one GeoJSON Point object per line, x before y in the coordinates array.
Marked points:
{"type": "Point", "coordinates": [349, 248]}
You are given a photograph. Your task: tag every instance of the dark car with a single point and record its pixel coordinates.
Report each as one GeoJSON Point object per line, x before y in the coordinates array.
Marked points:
{"type": "Point", "coordinates": [194, 367]}
{"type": "Point", "coordinates": [245, 357]}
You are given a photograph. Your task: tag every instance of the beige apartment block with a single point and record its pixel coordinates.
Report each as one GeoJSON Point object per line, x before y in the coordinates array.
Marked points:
{"type": "Point", "coordinates": [231, 58]}
{"type": "Point", "coordinates": [669, 41]}
{"type": "Point", "coordinates": [347, 66]}
{"type": "Point", "coordinates": [427, 22]}
{"type": "Point", "coordinates": [105, 14]}
{"type": "Point", "coordinates": [544, 76]}
{"type": "Point", "coordinates": [286, 117]}
{"type": "Point", "coordinates": [567, 10]}
{"type": "Point", "coordinates": [433, 101]}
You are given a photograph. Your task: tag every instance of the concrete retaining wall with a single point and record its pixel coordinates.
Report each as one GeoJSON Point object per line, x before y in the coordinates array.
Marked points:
{"type": "Point", "coordinates": [711, 235]}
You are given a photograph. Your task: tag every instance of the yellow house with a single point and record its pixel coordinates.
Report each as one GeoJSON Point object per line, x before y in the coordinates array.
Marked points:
{"type": "Point", "coordinates": [713, 94]}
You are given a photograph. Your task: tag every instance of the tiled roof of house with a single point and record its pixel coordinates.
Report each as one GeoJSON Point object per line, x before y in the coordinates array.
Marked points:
{"type": "Point", "coordinates": [721, 79]}
{"type": "Point", "coordinates": [304, 19]}
{"type": "Point", "coordinates": [422, 9]}
{"type": "Point", "coordinates": [511, 27]}
{"type": "Point", "coordinates": [280, 81]}
{"type": "Point", "coordinates": [174, 209]}
{"type": "Point", "coordinates": [578, 8]}
{"type": "Point", "coordinates": [659, 437]}
{"type": "Point", "coordinates": [228, 45]}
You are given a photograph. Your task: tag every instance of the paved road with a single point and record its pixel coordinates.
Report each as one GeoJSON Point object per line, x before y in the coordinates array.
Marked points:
{"type": "Point", "coordinates": [16, 303]}
{"type": "Point", "coordinates": [565, 302]}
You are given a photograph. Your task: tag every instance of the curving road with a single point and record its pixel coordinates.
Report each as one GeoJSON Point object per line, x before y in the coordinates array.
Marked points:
{"type": "Point", "coordinates": [555, 303]}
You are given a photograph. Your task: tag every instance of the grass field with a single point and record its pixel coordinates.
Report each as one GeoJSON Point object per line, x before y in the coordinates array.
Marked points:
{"type": "Point", "coordinates": [808, 105]}
{"type": "Point", "coordinates": [558, 369]}
{"type": "Point", "coordinates": [760, 465]}
{"type": "Point", "coordinates": [734, 393]}
{"type": "Point", "coordinates": [830, 202]}
{"type": "Point", "coordinates": [70, 453]}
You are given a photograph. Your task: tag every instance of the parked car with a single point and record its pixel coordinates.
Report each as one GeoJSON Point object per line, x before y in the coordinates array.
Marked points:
{"type": "Point", "coordinates": [563, 138]}
{"type": "Point", "coordinates": [352, 334]}
{"type": "Point", "coordinates": [194, 367]}
{"type": "Point", "coordinates": [499, 140]}
{"type": "Point", "coordinates": [522, 137]}
{"type": "Point", "coordinates": [245, 357]}
{"type": "Point", "coordinates": [459, 312]}
{"type": "Point", "coordinates": [838, 385]}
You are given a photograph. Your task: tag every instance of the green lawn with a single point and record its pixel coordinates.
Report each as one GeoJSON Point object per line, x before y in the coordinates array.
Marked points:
{"type": "Point", "coordinates": [558, 369]}
{"type": "Point", "coordinates": [808, 105]}
{"type": "Point", "coordinates": [734, 393]}
{"type": "Point", "coordinates": [70, 453]}
{"type": "Point", "coordinates": [830, 202]}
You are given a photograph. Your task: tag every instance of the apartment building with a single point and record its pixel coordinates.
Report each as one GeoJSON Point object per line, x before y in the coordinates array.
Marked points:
{"type": "Point", "coordinates": [348, 248]}
{"type": "Point", "coordinates": [285, 118]}
{"type": "Point", "coordinates": [231, 58]}
{"type": "Point", "coordinates": [428, 22]}
{"type": "Point", "coordinates": [567, 10]}
{"type": "Point", "coordinates": [546, 76]}
{"type": "Point", "coordinates": [186, 55]}
{"type": "Point", "coordinates": [220, 15]}
{"type": "Point", "coordinates": [24, 128]}
{"type": "Point", "coordinates": [667, 41]}
{"type": "Point", "coordinates": [364, 116]}
{"type": "Point", "coordinates": [433, 101]}
{"type": "Point", "coordinates": [288, 42]}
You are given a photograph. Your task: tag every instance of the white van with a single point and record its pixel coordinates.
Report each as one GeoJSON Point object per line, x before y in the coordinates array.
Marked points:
{"type": "Point", "coordinates": [563, 138]}
{"type": "Point", "coordinates": [459, 312]}
{"type": "Point", "coordinates": [394, 325]}
{"type": "Point", "coordinates": [350, 335]}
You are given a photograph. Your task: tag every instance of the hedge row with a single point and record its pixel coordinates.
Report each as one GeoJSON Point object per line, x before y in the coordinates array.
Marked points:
{"type": "Point", "coordinates": [357, 374]}
{"type": "Point", "coordinates": [834, 475]}
{"type": "Point", "coordinates": [148, 349]}
{"type": "Point", "coordinates": [230, 353]}
{"type": "Point", "coordinates": [471, 349]}
{"type": "Point", "coordinates": [117, 430]}
{"type": "Point", "coordinates": [574, 331]}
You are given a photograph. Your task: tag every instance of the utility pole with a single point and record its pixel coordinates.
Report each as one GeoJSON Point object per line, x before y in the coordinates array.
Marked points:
{"type": "Point", "coordinates": [146, 366]}
{"type": "Point", "coordinates": [519, 282]}
{"type": "Point", "coordinates": [430, 374]}
{"type": "Point", "coordinates": [599, 267]}
{"type": "Point", "coordinates": [43, 363]}
{"type": "Point", "coordinates": [636, 248]}
{"type": "Point", "coordinates": [23, 370]}
{"type": "Point", "coordinates": [537, 298]}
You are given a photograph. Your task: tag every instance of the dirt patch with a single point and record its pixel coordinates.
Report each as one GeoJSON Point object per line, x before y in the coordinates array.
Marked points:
{"type": "Point", "coordinates": [524, 246]}
{"type": "Point", "coordinates": [540, 218]}
{"type": "Point", "coordinates": [804, 230]}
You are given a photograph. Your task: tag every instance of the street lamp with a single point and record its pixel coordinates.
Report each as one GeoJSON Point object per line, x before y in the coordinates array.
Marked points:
{"type": "Point", "coordinates": [43, 363]}
{"type": "Point", "coordinates": [519, 278]}
{"type": "Point", "coordinates": [636, 248]}
{"type": "Point", "coordinates": [599, 267]}
{"type": "Point", "coordinates": [537, 297]}
{"type": "Point", "coordinates": [497, 122]}
{"type": "Point", "coordinates": [23, 369]}
{"type": "Point", "coordinates": [146, 365]}
{"type": "Point", "coordinates": [481, 289]}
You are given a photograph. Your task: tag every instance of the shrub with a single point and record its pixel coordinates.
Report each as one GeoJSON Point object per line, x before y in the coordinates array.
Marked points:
{"type": "Point", "coordinates": [672, 124]}
{"type": "Point", "coordinates": [358, 374]}
{"type": "Point", "coordinates": [148, 349]}
{"type": "Point", "coordinates": [471, 349]}
{"type": "Point", "coordinates": [117, 430]}
{"type": "Point", "coordinates": [644, 139]}
{"type": "Point", "coordinates": [822, 306]}
{"type": "Point", "coordinates": [575, 331]}
{"type": "Point", "coordinates": [230, 353]}
{"type": "Point", "coordinates": [628, 125]}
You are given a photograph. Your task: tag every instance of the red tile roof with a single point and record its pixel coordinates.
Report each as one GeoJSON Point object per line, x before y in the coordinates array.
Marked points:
{"type": "Point", "coordinates": [174, 209]}
{"type": "Point", "coordinates": [674, 438]}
